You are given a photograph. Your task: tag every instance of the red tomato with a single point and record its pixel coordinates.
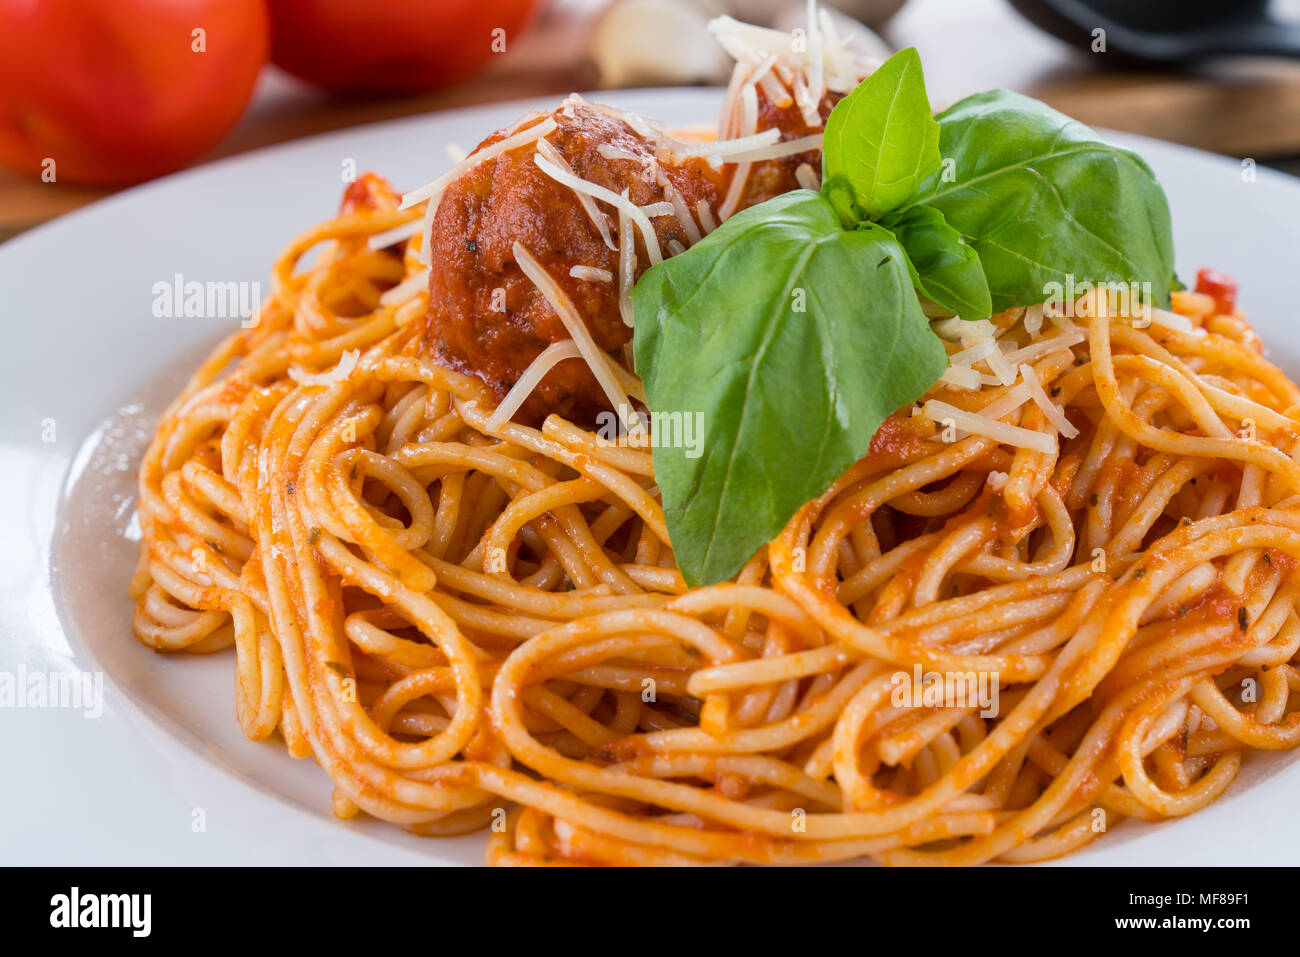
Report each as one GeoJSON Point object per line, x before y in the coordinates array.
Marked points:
{"type": "Point", "coordinates": [121, 91]}
{"type": "Point", "coordinates": [1219, 286]}
{"type": "Point", "coordinates": [391, 46]}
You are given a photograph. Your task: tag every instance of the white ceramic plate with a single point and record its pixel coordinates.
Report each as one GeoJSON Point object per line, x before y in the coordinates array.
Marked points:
{"type": "Point", "coordinates": [164, 775]}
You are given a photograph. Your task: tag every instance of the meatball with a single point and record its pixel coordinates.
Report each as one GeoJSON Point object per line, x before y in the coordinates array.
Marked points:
{"type": "Point", "coordinates": [487, 319]}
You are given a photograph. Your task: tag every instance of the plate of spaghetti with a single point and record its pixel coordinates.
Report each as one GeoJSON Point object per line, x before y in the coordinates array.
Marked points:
{"type": "Point", "coordinates": [829, 481]}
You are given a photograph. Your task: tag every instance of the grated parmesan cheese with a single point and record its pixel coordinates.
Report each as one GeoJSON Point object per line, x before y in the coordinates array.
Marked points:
{"type": "Point", "coordinates": [707, 222]}
{"type": "Point", "coordinates": [591, 274]}
{"type": "Point", "coordinates": [398, 234]}
{"type": "Point", "coordinates": [1010, 401]}
{"type": "Point", "coordinates": [1172, 320]}
{"type": "Point", "coordinates": [1034, 319]}
{"type": "Point", "coordinates": [626, 265]}
{"type": "Point", "coordinates": [612, 152]}
{"type": "Point", "coordinates": [532, 377]}
{"type": "Point", "coordinates": [559, 301]}
{"type": "Point", "coordinates": [1003, 371]}
{"type": "Point", "coordinates": [955, 328]}
{"type": "Point", "coordinates": [961, 377]}
{"type": "Point", "coordinates": [1045, 347]}
{"type": "Point", "coordinates": [982, 349]}
{"type": "Point", "coordinates": [816, 67]}
{"type": "Point", "coordinates": [1050, 409]}
{"type": "Point", "coordinates": [978, 424]}
{"type": "Point", "coordinates": [436, 186]}
{"type": "Point", "coordinates": [749, 123]}
{"type": "Point", "coordinates": [683, 213]}
{"type": "Point", "coordinates": [802, 144]}
{"type": "Point", "coordinates": [725, 148]}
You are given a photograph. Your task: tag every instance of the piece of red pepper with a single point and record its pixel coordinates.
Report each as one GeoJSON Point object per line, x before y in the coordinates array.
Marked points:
{"type": "Point", "coordinates": [1219, 286]}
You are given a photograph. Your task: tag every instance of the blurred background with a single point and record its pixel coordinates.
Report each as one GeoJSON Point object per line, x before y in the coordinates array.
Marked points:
{"type": "Point", "coordinates": [98, 94]}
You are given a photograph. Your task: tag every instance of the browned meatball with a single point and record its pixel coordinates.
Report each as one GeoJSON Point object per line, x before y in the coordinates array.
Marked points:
{"type": "Point", "coordinates": [508, 199]}
{"type": "Point", "coordinates": [487, 319]}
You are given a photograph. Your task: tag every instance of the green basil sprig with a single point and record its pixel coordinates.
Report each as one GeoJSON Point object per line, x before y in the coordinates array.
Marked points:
{"type": "Point", "coordinates": [793, 329]}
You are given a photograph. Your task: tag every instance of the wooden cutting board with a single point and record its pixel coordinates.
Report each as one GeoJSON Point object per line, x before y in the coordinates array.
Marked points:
{"type": "Point", "coordinates": [1241, 108]}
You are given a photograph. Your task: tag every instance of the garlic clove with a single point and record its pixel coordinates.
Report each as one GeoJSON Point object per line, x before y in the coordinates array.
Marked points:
{"type": "Point", "coordinates": [658, 43]}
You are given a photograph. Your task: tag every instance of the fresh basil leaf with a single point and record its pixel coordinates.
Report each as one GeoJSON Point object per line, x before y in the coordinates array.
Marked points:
{"type": "Point", "coordinates": [881, 141]}
{"type": "Point", "coordinates": [943, 267]}
{"type": "Point", "coordinates": [788, 340]}
{"type": "Point", "coordinates": [1041, 199]}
